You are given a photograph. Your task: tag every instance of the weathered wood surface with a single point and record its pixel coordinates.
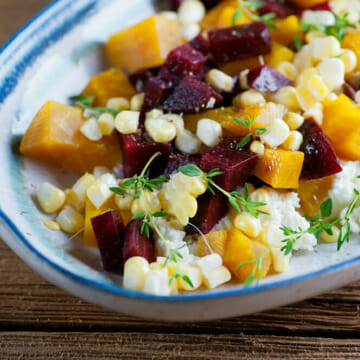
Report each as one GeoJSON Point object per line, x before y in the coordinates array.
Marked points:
{"type": "Point", "coordinates": [40, 321]}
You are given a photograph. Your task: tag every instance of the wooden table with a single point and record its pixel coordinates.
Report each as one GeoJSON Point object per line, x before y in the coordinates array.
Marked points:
{"type": "Point", "coordinates": [39, 321]}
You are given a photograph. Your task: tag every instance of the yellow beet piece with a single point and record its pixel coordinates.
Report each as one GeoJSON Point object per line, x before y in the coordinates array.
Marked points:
{"type": "Point", "coordinates": [216, 240]}
{"type": "Point", "coordinates": [280, 168]}
{"type": "Point", "coordinates": [341, 124]}
{"type": "Point", "coordinates": [239, 249]}
{"type": "Point", "coordinates": [286, 30]}
{"type": "Point", "coordinates": [352, 42]}
{"type": "Point", "coordinates": [144, 45]}
{"type": "Point", "coordinates": [306, 3]}
{"type": "Point", "coordinates": [54, 136]}
{"type": "Point", "coordinates": [109, 84]}
{"type": "Point", "coordinates": [313, 192]}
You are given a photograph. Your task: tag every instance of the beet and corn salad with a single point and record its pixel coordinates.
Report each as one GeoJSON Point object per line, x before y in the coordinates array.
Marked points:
{"type": "Point", "coordinates": [225, 138]}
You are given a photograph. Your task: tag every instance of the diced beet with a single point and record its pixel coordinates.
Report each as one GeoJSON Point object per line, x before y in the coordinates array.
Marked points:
{"type": "Point", "coordinates": [190, 96]}
{"type": "Point", "coordinates": [354, 81]}
{"type": "Point", "coordinates": [138, 149]}
{"type": "Point", "coordinates": [200, 44]}
{"type": "Point", "coordinates": [349, 91]}
{"type": "Point", "coordinates": [179, 159]}
{"type": "Point", "coordinates": [320, 158]}
{"type": "Point", "coordinates": [240, 42]}
{"type": "Point", "coordinates": [322, 6]}
{"type": "Point", "coordinates": [211, 209]}
{"type": "Point", "coordinates": [182, 61]}
{"type": "Point", "coordinates": [140, 79]}
{"type": "Point", "coordinates": [137, 243]}
{"type": "Point", "coordinates": [109, 231]}
{"type": "Point", "coordinates": [155, 93]}
{"type": "Point", "coordinates": [237, 165]}
{"type": "Point", "coordinates": [266, 78]}
{"type": "Point", "coordinates": [280, 8]}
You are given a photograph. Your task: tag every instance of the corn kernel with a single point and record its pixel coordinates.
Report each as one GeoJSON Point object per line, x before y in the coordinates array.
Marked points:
{"type": "Point", "coordinates": [127, 122]}
{"type": "Point", "coordinates": [320, 17]}
{"type": "Point", "coordinates": [193, 273]}
{"type": "Point", "coordinates": [317, 88]}
{"type": "Point", "coordinates": [312, 35]}
{"type": "Point", "coordinates": [123, 202]}
{"type": "Point", "coordinates": [209, 132]}
{"type": "Point", "coordinates": [160, 129]}
{"type": "Point", "coordinates": [190, 31]}
{"type": "Point", "coordinates": [219, 80]}
{"type": "Point", "coordinates": [98, 193]}
{"type": "Point", "coordinates": [106, 123]}
{"type": "Point", "coordinates": [276, 133]}
{"type": "Point", "coordinates": [279, 259]}
{"type": "Point", "coordinates": [294, 120]}
{"type": "Point", "coordinates": [171, 15]}
{"type": "Point", "coordinates": [216, 277]}
{"type": "Point", "coordinates": [100, 171]}
{"type": "Point", "coordinates": [159, 267]}
{"type": "Point", "coordinates": [305, 77]}
{"type": "Point", "coordinates": [188, 143]}
{"type": "Point", "coordinates": [305, 97]}
{"type": "Point", "coordinates": [194, 185]}
{"type": "Point", "coordinates": [287, 69]}
{"type": "Point", "coordinates": [332, 72]}
{"type": "Point", "coordinates": [90, 129]}
{"type": "Point", "coordinates": [50, 198]}
{"type": "Point", "coordinates": [293, 142]}
{"type": "Point", "coordinates": [303, 59]}
{"type": "Point", "coordinates": [209, 262]}
{"type": "Point", "coordinates": [191, 11]}
{"type": "Point", "coordinates": [261, 195]}
{"type": "Point", "coordinates": [331, 238]}
{"type": "Point", "coordinates": [81, 186]}
{"type": "Point", "coordinates": [287, 96]}
{"type": "Point", "coordinates": [51, 225]}
{"type": "Point", "coordinates": [271, 235]}
{"type": "Point", "coordinates": [148, 200]}
{"type": "Point", "coordinates": [70, 220]}
{"type": "Point", "coordinates": [243, 79]}
{"type": "Point", "coordinates": [154, 113]}
{"type": "Point", "coordinates": [118, 104]}
{"type": "Point", "coordinates": [324, 47]}
{"type": "Point", "coordinates": [137, 101]}
{"type": "Point", "coordinates": [316, 112]}
{"type": "Point", "coordinates": [249, 98]}
{"type": "Point", "coordinates": [349, 59]}
{"type": "Point", "coordinates": [74, 201]}
{"type": "Point", "coordinates": [248, 224]}
{"type": "Point", "coordinates": [136, 270]}
{"type": "Point", "coordinates": [177, 120]}
{"type": "Point", "coordinates": [257, 147]}
{"type": "Point", "coordinates": [157, 283]}
{"type": "Point", "coordinates": [109, 179]}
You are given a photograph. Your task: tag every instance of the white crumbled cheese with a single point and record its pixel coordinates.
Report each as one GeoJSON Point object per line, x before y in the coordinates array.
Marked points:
{"type": "Point", "coordinates": [283, 211]}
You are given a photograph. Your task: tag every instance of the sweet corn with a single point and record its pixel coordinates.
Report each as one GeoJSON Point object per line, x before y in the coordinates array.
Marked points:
{"type": "Point", "coordinates": [137, 101]}
{"type": "Point", "coordinates": [303, 59]}
{"type": "Point", "coordinates": [191, 11]}
{"type": "Point", "coordinates": [118, 104]}
{"type": "Point", "coordinates": [148, 200]}
{"type": "Point", "coordinates": [287, 96]}
{"type": "Point", "coordinates": [209, 132]}
{"type": "Point", "coordinates": [70, 220]}
{"type": "Point", "coordinates": [331, 238]}
{"type": "Point", "coordinates": [287, 69]}
{"type": "Point", "coordinates": [316, 112]}
{"type": "Point", "coordinates": [249, 98]}
{"type": "Point", "coordinates": [209, 262]}
{"type": "Point", "coordinates": [261, 195]}
{"type": "Point", "coordinates": [50, 198]}
{"type": "Point", "coordinates": [276, 133]}
{"type": "Point", "coordinates": [293, 120]}
{"type": "Point", "coordinates": [74, 201]}
{"type": "Point", "coordinates": [127, 122]}
{"type": "Point", "coordinates": [81, 186]}
{"type": "Point", "coordinates": [305, 98]}
{"type": "Point", "coordinates": [293, 142]}
{"type": "Point", "coordinates": [170, 265]}
{"type": "Point", "coordinates": [154, 113]}
{"type": "Point", "coordinates": [271, 235]}
{"type": "Point", "coordinates": [312, 35]}
{"type": "Point", "coordinates": [98, 193]}
{"type": "Point", "coordinates": [90, 129]}
{"type": "Point", "coordinates": [349, 59]}
{"type": "Point", "coordinates": [160, 129]}
{"type": "Point", "coordinates": [177, 120]}
{"type": "Point", "coordinates": [248, 224]}
{"type": "Point", "coordinates": [257, 147]}
{"type": "Point", "coordinates": [100, 171]}
{"type": "Point", "coordinates": [109, 179]}
{"type": "Point", "coordinates": [106, 123]}
{"type": "Point", "coordinates": [194, 185]}
{"type": "Point", "coordinates": [190, 31]}
{"type": "Point", "coordinates": [219, 80]}
{"type": "Point", "coordinates": [157, 283]}
{"type": "Point", "coordinates": [123, 202]}
{"type": "Point", "coordinates": [332, 72]}
{"type": "Point", "coordinates": [320, 17]}
{"type": "Point", "coordinates": [279, 259]}
{"type": "Point", "coordinates": [193, 273]}
{"type": "Point", "coordinates": [188, 143]}
{"type": "Point", "coordinates": [136, 270]}
{"type": "Point", "coordinates": [216, 277]}
{"type": "Point", "coordinates": [243, 79]}
{"type": "Point", "coordinates": [317, 88]}
{"type": "Point", "coordinates": [305, 77]}
{"type": "Point", "coordinates": [324, 47]}
{"type": "Point", "coordinates": [159, 267]}
{"type": "Point", "coordinates": [171, 15]}
{"type": "Point", "coordinates": [51, 225]}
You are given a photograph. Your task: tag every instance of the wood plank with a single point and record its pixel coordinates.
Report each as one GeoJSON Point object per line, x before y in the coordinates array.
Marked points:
{"type": "Point", "coordinates": [112, 345]}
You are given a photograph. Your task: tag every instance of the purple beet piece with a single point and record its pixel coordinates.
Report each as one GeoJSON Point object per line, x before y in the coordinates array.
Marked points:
{"type": "Point", "coordinates": [322, 6]}
{"type": "Point", "coordinates": [320, 158]}
{"type": "Point", "coordinates": [140, 79]}
{"type": "Point", "coordinates": [109, 231]}
{"type": "Point", "coordinates": [190, 96]}
{"type": "Point", "coordinates": [280, 8]}
{"type": "Point", "coordinates": [240, 42]}
{"type": "Point", "coordinates": [349, 91]}
{"type": "Point", "coordinates": [182, 61]}
{"type": "Point", "coordinates": [179, 159]}
{"type": "Point", "coordinates": [237, 165]}
{"type": "Point", "coordinates": [211, 209]}
{"type": "Point", "coordinates": [138, 149]}
{"type": "Point", "coordinates": [137, 243]}
{"type": "Point", "coordinates": [200, 44]}
{"type": "Point", "coordinates": [155, 93]}
{"type": "Point", "coordinates": [266, 78]}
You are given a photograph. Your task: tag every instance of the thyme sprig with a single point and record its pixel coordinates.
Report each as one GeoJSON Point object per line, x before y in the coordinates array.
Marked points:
{"type": "Point", "coordinates": [249, 123]}
{"type": "Point", "coordinates": [236, 200]}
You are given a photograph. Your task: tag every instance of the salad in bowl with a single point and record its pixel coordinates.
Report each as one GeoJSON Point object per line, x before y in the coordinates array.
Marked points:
{"type": "Point", "coordinates": [222, 140]}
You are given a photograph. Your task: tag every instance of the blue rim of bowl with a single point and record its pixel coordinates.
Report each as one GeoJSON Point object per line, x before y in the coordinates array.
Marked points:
{"type": "Point", "coordinates": [18, 68]}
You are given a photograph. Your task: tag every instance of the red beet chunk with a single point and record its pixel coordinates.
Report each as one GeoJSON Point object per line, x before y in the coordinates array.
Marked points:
{"type": "Point", "coordinates": [265, 78]}
{"type": "Point", "coordinates": [137, 243]}
{"type": "Point", "coordinates": [280, 8]}
{"type": "Point", "coordinates": [322, 6]}
{"type": "Point", "coordinates": [349, 91]}
{"type": "Point", "coordinates": [200, 44]}
{"type": "Point", "coordinates": [155, 93]}
{"type": "Point", "coordinates": [177, 160]}
{"type": "Point", "coordinates": [237, 165]}
{"type": "Point", "coordinates": [320, 158]}
{"type": "Point", "coordinates": [191, 95]}
{"type": "Point", "coordinates": [211, 209]}
{"type": "Point", "coordinates": [240, 42]}
{"type": "Point", "coordinates": [140, 79]}
{"type": "Point", "coordinates": [109, 229]}
{"type": "Point", "coordinates": [181, 61]}
{"type": "Point", "coordinates": [138, 149]}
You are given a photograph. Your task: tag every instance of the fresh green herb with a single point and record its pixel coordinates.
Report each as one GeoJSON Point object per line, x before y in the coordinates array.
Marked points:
{"type": "Point", "coordinates": [298, 43]}
{"type": "Point", "coordinates": [267, 19]}
{"type": "Point", "coordinates": [236, 200]}
{"type": "Point", "coordinates": [85, 103]}
{"type": "Point", "coordinates": [249, 123]}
